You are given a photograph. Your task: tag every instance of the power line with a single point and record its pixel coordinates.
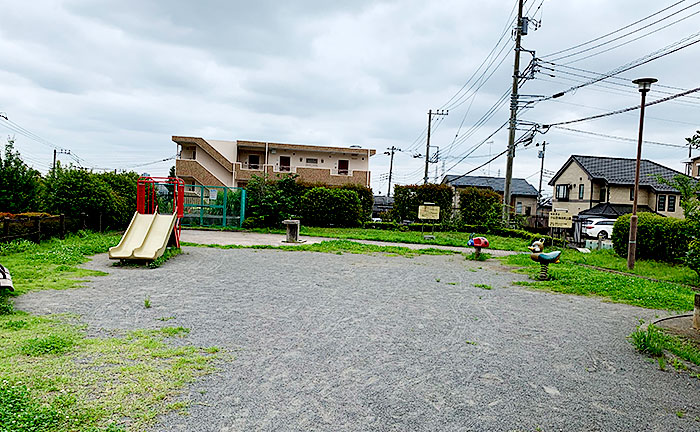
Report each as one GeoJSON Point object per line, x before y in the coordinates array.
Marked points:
{"type": "Point", "coordinates": [613, 32]}
{"type": "Point", "coordinates": [619, 138]}
{"type": "Point", "coordinates": [628, 34]}
{"type": "Point", "coordinates": [658, 101]}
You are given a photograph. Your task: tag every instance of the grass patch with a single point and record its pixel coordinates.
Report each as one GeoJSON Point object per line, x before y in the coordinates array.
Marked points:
{"type": "Point", "coordinates": [654, 342]}
{"type": "Point", "coordinates": [74, 382]}
{"type": "Point", "coordinates": [340, 247]}
{"type": "Point", "coordinates": [474, 257]}
{"type": "Point", "coordinates": [55, 378]}
{"type": "Point", "coordinates": [570, 278]}
{"type": "Point", "coordinates": [167, 254]}
{"type": "Point", "coordinates": [53, 263]}
{"type": "Point", "coordinates": [483, 286]}
{"type": "Point", "coordinates": [449, 238]}
{"type": "Point", "coordinates": [663, 271]}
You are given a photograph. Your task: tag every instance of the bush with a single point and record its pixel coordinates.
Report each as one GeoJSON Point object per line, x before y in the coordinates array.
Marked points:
{"type": "Point", "coordinates": [408, 198]}
{"type": "Point", "coordinates": [363, 192]}
{"type": "Point", "coordinates": [20, 186]}
{"type": "Point", "coordinates": [658, 238]}
{"type": "Point", "coordinates": [480, 207]}
{"type": "Point", "coordinates": [75, 191]}
{"type": "Point", "coordinates": [269, 202]}
{"type": "Point", "coordinates": [331, 207]}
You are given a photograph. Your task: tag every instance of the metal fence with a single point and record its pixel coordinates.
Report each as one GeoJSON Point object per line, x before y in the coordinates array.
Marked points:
{"type": "Point", "coordinates": [207, 205]}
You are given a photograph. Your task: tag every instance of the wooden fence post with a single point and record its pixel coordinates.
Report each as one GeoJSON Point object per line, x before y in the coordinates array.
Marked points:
{"type": "Point", "coordinates": [62, 223]}
{"type": "Point", "coordinates": [5, 226]}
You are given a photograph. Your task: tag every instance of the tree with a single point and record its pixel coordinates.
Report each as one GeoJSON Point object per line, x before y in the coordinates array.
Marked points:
{"type": "Point", "coordinates": [20, 186]}
{"type": "Point", "coordinates": [480, 207]}
{"type": "Point", "coordinates": [689, 189]}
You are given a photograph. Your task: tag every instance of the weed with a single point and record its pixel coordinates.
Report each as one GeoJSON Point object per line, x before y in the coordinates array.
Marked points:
{"type": "Point", "coordinates": [653, 342]}
{"type": "Point", "coordinates": [174, 331]}
{"type": "Point", "coordinates": [437, 280]}
{"type": "Point", "coordinates": [679, 365]}
{"type": "Point", "coordinates": [6, 306]}
{"type": "Point", "coordinates": [680, 413]}
{"type": "Point", "coordinates": [14, 325]}
{"type": "Point", "coordinates": [662, 363]}
{"type": "Point", "coordinates": [471, 343]}
{"type": "Point", "coordinates": [451, 283]}
{"type": "Point", "coordinates": [19, 411]}
{"type": "Point", "coordinates": [473, 270]}
{"type": "Point", "coordinates": [147, 302]}
{"type": "Point", "coordinates": [51, 344]}
{"type": "Point", "coordinates": [474, 257]}
{"type": "Point", "coordinates": [212, 350]}
{"type": "Point", "coordinates": [167, 254]}
{"type": "Point", "coordinates": [483, 286]}
{"type": "Point", "coordinates": [166, 318]}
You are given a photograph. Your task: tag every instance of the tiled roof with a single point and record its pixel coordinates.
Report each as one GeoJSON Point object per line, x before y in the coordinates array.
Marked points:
{"type": "Point", "coordinates": [620, 171]}
{"type": "Point", "coordinates": [518, 186]}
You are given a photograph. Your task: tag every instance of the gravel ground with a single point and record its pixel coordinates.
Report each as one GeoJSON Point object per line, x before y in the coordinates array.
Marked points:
{"type": "Point", "coordinates": [356, 342]}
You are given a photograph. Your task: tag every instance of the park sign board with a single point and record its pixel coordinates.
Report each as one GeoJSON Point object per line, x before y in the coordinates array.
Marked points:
{"type": "Point", "coordinates": [429, 212]}
{"type": "Point", "coordinates": [559, 219]}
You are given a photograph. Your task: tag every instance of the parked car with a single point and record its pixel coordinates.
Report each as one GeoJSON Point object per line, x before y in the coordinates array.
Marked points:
{"type": "Point", "coordinates": [601, 228]}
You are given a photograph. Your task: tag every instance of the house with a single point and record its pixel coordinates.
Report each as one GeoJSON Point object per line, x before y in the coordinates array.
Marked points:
{"type": "Point", "coordinates": [604, 187]}
{"type": "Point", "coordinates": [233, 163]}
{"type": "Point", "coordinates": [523, 194]}
{"type": "Point", "coordinates": [692, 167]}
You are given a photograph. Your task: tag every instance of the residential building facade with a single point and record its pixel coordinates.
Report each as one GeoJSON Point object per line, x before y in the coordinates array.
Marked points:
{"type": "Point", "coordinates": [523, 194]}
{"type": "Point", "coordinates": [234, 163]}
{"type": "Point", "coordinates": [604, 187]}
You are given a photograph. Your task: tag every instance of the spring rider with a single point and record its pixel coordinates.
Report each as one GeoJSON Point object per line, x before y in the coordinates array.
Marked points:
{"type": "Point", "coordinates": [543, 258]}
{"type": "Point", "coordinates": [477, 243]}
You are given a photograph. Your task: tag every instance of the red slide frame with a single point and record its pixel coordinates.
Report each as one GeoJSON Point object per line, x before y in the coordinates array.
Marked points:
{"type": "Point", "coordinates": [146, 198]}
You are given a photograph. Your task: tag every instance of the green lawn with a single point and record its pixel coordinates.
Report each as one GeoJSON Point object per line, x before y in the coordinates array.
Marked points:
{"type": "Point", "coordinates": [677, 273]}
{"type": "Point", "coordinates": [53, 377]}
{"type": "Point", "coordinates": [569, 278]}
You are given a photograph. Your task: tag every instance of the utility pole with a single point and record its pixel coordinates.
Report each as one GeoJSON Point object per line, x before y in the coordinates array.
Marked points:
{"type": "Point", "coordinates": [427, 143]}
{"type": "Point", "coordinates": [540, 155]}
{"type": "Point", "coordinates": [391, 166]}
{"type": "Point", "coordinates": [513, 115]}
{"type": "Point", "coordinates": [58, 151]}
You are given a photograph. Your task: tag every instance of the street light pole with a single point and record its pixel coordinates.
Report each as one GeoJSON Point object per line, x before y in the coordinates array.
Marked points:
{"type": "Point", "coordinates": [644, 86]}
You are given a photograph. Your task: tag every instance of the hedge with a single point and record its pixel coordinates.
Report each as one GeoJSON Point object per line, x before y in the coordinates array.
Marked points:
{"type": "Point", "coordinates": [479, 206]}
{"type": "Point", "coordinates": [408, 198]}
{"type": "Point", "coordinates": [330, 207]}
{"type": "Point", "coordinates": [658, 238]}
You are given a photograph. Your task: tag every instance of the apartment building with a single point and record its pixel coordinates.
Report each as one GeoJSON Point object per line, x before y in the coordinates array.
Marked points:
{"type": "Point", "coordinates": [233, 163]}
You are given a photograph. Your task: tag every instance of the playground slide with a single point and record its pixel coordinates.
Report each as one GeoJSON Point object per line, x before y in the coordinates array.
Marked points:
{"type": "Point", "coordinates": [157, 237]}
{"type": "Point", "coordinates": [133, 237]}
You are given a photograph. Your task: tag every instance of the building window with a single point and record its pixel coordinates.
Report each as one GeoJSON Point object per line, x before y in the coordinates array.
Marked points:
{"type": "Point", "coordinates": [285, 163]}
{"type": "Point", "coordinates": [518, 207]}
{"type": "Point", "coordinates": [580, 191]}
{"type": "Point", "coordinates": [528, 211]}
{"type": "Point", "coordinates": [631, 194]}
{"type": "Point", "coordinates": [311, 161]}
{"type": "Point", "coordinates": [602, 195]}
{"type": "Point", "coordinates": [343, 167]}
{"type": "Point", "coordinates": [661, 206]}
{"type": "Point", "coordinates": [563, 192]}
{"type": "Point", "coordinates": [671, 203]}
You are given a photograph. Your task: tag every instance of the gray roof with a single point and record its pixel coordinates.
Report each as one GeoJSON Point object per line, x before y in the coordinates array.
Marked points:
{"type": "Point", "coordinates": [613, 211]}
{"type": "Point", "coordinates": [517, 187]}
{"type": "Point", "coordinates": [620, 171]}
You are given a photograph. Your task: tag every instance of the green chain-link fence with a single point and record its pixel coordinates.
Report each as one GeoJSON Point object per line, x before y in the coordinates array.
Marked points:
{"type": "Point", "coordinates": [206, 205]}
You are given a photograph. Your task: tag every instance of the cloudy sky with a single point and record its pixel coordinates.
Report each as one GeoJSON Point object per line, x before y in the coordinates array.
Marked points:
{"type": "Point", "coordinates": [113, 81]}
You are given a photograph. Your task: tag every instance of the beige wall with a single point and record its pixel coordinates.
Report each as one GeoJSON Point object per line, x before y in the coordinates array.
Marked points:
{"type": "Point", "coordinates": [226, 148]}
{"type": "Point", "coordinates": [678, 213]}
{"type": "Point", "coordinates": [325, 160]}
{"type": "Point", "coordinates": [575, 176]}
{"type": "Point", "coordinates": [526, 202]}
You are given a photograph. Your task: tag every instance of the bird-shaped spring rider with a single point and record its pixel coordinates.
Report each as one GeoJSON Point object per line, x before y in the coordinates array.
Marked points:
{"type": "Point", "coordinates": [477, 243]}
{"type": "Point", "coordinates": [543, 258]}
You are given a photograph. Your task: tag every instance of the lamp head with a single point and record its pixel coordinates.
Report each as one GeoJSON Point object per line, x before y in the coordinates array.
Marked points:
{"type": "Point", "coordinates": [644, 83]}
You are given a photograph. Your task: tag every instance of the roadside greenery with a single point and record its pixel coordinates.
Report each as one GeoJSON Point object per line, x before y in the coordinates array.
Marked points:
{"type": "Point", "coordinates": [658, 237]}
{"type": "Point", "coordinates": [570, 278]}
{"type": "Point", "coordinates": [479, 206]}
{"type": "Point", "coordinates": [20, 186]}
{"type": "Point", "coordinates": [407, 199]}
